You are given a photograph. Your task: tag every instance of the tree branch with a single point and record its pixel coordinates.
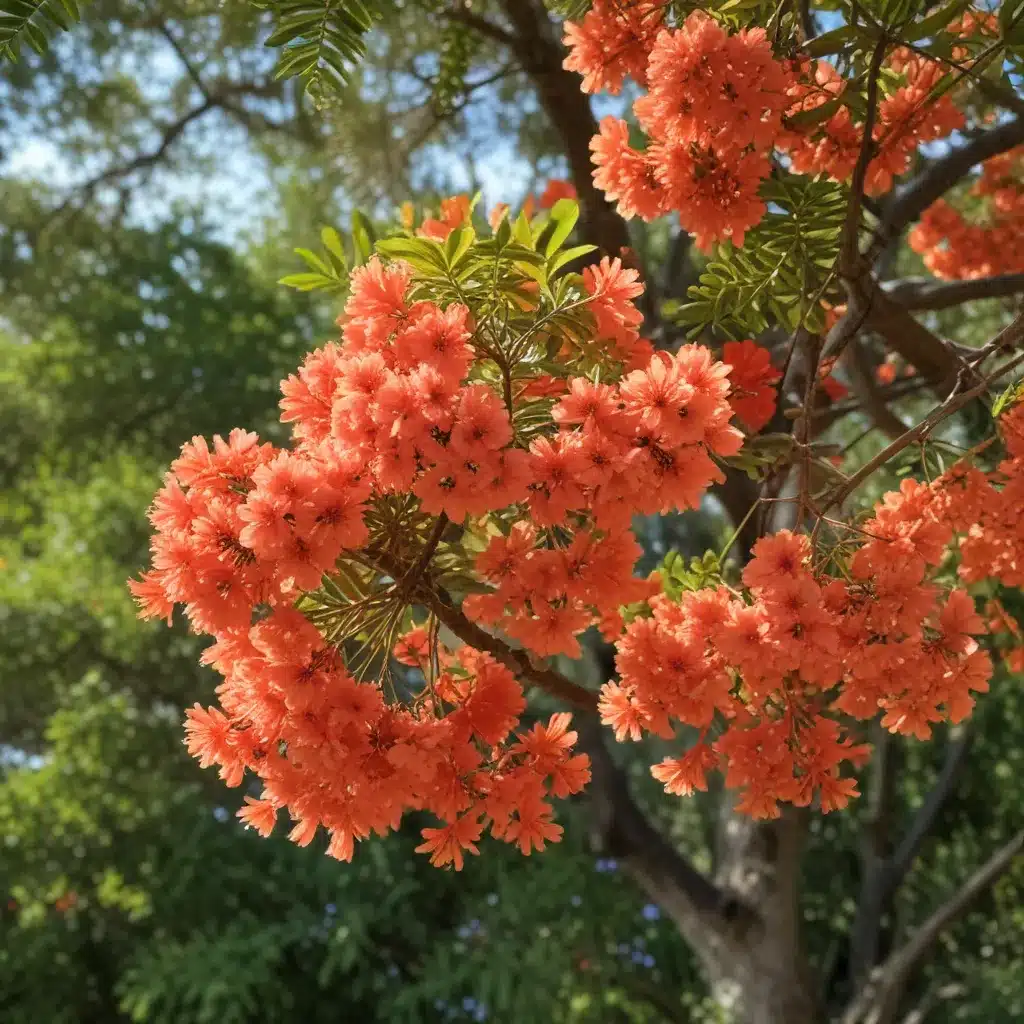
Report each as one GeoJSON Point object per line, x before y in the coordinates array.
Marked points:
{"type": "Point", "coordinates": [170, 134]}
{"type": "Point", "coordinates": [884, 873]}
{"type": "Point", "coordinates": [914, 293]}
{"type": "Point", "coordinates": [190, 69]}
{"type": "Point", "coordinates": [517, 660]}
{"type": "Point", "coordinates": [912, 199]}
{"type": "Point", "coordinates": [690, 898]}
{"type": "Point", "coordinates": [851, 268]}
{"type": "Point", "coordinates": [872, 400]}
{"type": "Point", "coordinates": [568, 109]}
{"type": "Point", "coordinates": [701, 909]}
{"type": "Point", "coordinates": [693, 901]}
{"type": "Point", "coordinates": [461, 12]}
{"type": "Point", "coordinates": [874, 890]}
{"type": "Point", "coordinates": [924, 821]}
{"type": "Point", "coordinates": [932, 357]}
{"type": "Point", "coordinates": [957, 400]}
{"type": "Point", "coordinates": [879, 1001]}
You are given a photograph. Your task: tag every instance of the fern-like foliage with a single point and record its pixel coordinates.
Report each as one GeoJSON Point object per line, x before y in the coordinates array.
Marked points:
{"type": "Point", "coordinates": [33, 22]}
{"type": "Point", "coordinates": [456, 55]}
{"type": "Point", "coordinates": [321, 41]}
{"type": "Point", "coordinates": [571, 10]}
{"type": "Point", "coordinates": [786, 263]}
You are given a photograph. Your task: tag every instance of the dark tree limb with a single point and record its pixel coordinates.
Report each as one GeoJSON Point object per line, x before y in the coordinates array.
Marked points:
{"type": "Point", "coordinates": [852, 268]}
{"type": "Point", "coordinates": [700, 908]}
{"type": "Point", "coordinates": [915, 293]}
{"type": "Point", "coordinates": [876, 838]}
{"type": "Point", "coordinates": [867, 304]}
{"type": "Point", "coordinates": [879, 1001]}
{"type": "Point", "coordinates": [517, 660]}
{"type": "Point", "coordinates": [872, 400]}
{"type": "Point", "coordinates": [461, 12]}
{"type": "Point", "coordinates": [930, 355]}
{"type": "Point", "coordinates": [568, 109]}
{"type": "Point", "coordinates": [938, 177]}
{"type": "Point", "coordinates": [694, 901]}
{"type": "Point", "coordinates": [170, 133]}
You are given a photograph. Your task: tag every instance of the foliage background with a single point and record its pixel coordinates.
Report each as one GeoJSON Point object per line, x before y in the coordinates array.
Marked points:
{"type": "Point", "coordinates": [140, 245]}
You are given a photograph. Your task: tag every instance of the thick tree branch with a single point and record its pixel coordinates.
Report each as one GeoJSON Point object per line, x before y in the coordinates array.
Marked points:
{"type": "Point", "coordinates": [702, 910]}
{"type": "Point", "coordinates": [914, 293]}
{"type": "Point", "coordinates": [957, 400]}
{"type": "Point", "coordinates": [867, 304]}
{"type": "Point", "coordinates": [883, 873]}
{"type": "Point", "coordinates": [699, 907]}
{"type": "Point", "coordinates": [879, 1001]}
{"type": "Point", "coordinates": [932, 357]}
{"type": "Point", "coordinates": [461, 12]}
{"type": "Point", "coordinates": [695, 902]}
{"type": "Point", "coordinates": [852, 269]}
{"type": "Point", "coordinates": [872, 400]}
{"type": "Point", "coordinates": [568, 109]}
{"type": "Point", "coordinates": [912, 199]}
{"type": "Point", "coordinates": [190, 69]}
{"type": "Point", "coordinates": [169, 135]}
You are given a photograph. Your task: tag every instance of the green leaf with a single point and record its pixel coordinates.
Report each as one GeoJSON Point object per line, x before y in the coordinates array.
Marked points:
{"type": "Point", "coordinates": [807, 118]}
{"type": "Point", "coordinates": [1009, 397]}
{"type": "Point", "coordinates": [788, 256]}
{"type": "Point", "coordinates": [936, 22]}
{"type": "Point", "coordinates": [421, 253]}
{"type": "Point", "coordinates": [522, 232]}
{"type": "Point", "coordinates": [362, 237]}
{"type": "Point", "coordinates": [564, 215]}
{"type": "Point", "coordinates": [32, 22]}
{"type": "Point", "coordinates": [312, 260]}
{"type": "Point", "coordinates": [458, 243]}
{"type": "Point", "coordinates": [321, 41]}
{"type": "Point", "coordinates": [1011, 21]}
{"type": "Point", "coordinates": [332, 243]}
{"type": "Point", "coordinates": [308, 282]}
{"type": "Point", "coordinates": [568, 256]}
{"type": "Point", "coordinates": [835, 41]}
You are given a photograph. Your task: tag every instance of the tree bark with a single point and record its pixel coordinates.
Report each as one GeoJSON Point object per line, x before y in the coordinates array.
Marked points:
{"type": "Point", "coordinates": [568, 109]}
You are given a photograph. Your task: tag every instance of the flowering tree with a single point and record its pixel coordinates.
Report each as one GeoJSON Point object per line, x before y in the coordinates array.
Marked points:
{"type": "Point", "coordinates": [452, 522]}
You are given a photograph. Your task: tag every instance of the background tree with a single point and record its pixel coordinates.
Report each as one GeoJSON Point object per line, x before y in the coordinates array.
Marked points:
{"type": "Point", "coordinates": [67, 429]}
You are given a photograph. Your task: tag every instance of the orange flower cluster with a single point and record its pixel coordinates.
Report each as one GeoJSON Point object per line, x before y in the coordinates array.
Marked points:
{"type": "Point", "coordinates": [993, 547]}
{"type": "Point", "coordinates": [613, 42]}
{"type": "Point", "coordinates": [954, 248]}
{"type": "Point", "coordinates": [753, 379]}
{"type": "Point", "coordinates": [400, 409]}
{"type": "Point", "coordinates": [718, 104]}
{"type": "Point", "coordinates": [243, 528]}
{"type": "Point", "coordinates": [906, 118]}
{"type": "Point", "coordinates": [762, 674]}
{"type": "Point", "coordinates": [713, 108]}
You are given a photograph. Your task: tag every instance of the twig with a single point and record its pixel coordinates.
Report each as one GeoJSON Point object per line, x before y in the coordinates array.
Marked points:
{"type": "Point", "coordinates": [517, 660]}
{"type": "Point", "coordinates": [956, 401]}
{"type": "Point", "coordinates": [906, 853]}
